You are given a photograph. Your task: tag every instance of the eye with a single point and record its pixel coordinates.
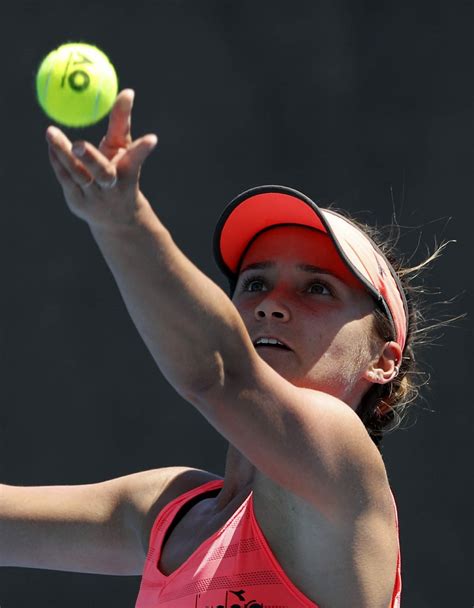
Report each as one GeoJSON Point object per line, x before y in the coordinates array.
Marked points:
{"type": "Point", "coordinates": [249, 280]}
{"type": "Point", "coordinates": [321, 288]}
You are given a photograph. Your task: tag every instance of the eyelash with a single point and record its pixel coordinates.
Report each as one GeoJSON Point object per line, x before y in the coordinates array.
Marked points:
{"type": "Point", "coordinates": [246, 282]}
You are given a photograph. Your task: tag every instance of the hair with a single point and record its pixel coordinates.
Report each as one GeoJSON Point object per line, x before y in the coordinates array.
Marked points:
{"type": "Point", "coordinates": [385, 406]}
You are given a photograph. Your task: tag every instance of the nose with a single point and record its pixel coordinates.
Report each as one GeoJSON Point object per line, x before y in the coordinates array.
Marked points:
{"type": "Point", "coordinates": [270, 307]}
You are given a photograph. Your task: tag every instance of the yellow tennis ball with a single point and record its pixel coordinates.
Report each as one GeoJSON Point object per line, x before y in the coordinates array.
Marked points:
{"type": "Point", "coordinates": [76, 84]}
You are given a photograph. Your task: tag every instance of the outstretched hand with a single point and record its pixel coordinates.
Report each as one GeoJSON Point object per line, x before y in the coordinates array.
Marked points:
{"type": "Point", "coordinates": [101, 185]}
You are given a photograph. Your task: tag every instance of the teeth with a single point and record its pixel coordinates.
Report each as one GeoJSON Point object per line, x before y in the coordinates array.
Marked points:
{"type": "Point", "coordinates": [268, 341]}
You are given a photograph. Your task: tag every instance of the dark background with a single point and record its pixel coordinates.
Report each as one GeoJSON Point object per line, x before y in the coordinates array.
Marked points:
{"type": "Point", "coordinates": [367, 103]}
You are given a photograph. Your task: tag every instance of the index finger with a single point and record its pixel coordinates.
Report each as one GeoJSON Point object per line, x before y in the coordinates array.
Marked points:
{"type": "Point", "coordinates": [118, 133]}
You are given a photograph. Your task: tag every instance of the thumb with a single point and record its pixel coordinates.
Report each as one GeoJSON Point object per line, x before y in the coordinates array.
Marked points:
{"type": "Point", "coordinates": [134, 157]}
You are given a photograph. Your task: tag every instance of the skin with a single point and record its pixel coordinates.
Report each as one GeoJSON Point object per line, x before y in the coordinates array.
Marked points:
{"type": "Point", "coordinates": [329, 328]}
{"type": "Point", "coordinates": [326, 319]}
{"type": "Point", "coordinates": [331, 336]}
{"type": "Point", "coordinates": [101, 186]}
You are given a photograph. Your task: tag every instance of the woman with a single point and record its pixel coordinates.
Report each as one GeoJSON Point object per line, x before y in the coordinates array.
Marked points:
{"type": "Point", "coordinates": [300, 371]}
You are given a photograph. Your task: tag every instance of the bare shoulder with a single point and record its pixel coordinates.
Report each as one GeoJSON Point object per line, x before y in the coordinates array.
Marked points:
{"type": "Point", "coordinates": [307, 441]}
{"type": "Point", "coordinates": [147, 492]}
{"type": "Point", "coordinates": [366, 492]}
{"type": "Point", "coordinates": [330, 554]}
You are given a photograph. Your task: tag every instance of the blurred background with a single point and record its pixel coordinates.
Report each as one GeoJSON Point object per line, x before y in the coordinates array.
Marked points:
{"type": "Point", "coordinates": [368, 104]}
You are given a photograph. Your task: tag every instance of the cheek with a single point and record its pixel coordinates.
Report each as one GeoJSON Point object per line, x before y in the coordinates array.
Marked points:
{"type": "Point", "coordinates": [349, 349]}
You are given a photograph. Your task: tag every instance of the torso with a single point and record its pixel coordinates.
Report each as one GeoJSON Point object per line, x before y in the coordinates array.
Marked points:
{"type": "Point", "coordinates": [327, 561]}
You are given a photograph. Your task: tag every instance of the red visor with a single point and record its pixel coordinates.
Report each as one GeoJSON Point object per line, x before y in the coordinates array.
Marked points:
{"type": "Point", "coordinates": [260, 208]}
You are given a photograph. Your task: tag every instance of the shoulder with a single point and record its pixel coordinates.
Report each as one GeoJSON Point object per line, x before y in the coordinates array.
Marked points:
{"type": "Point", "coordinates": [347, 473]}
{"type": "Point", "coordinates": [307, 441]}
{"type": "Point", "coordinates": [148, 492]}
{"type": "Point", "coordinates": [355, 494]}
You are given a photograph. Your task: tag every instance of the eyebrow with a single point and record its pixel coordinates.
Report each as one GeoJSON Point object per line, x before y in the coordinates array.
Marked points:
{"type": "Point", "coordinates": [305, 267]}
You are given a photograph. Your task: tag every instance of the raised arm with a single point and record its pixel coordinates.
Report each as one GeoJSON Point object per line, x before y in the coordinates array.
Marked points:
{"type": "Point", "coordinates": [158, 283]}
{"type": "Point", "coordinates": [309, 442]}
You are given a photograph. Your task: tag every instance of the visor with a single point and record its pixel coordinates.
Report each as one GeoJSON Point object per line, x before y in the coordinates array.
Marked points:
{"type": "Point", "coordinates": [260, 208]}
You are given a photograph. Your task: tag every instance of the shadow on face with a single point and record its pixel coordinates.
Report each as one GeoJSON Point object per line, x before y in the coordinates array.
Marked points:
{"type": "Point", "coordinates": [294, 286]}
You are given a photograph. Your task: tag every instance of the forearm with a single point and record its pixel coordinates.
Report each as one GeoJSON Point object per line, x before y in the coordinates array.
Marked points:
{"type": "Point", "coordinates": [188, 323]}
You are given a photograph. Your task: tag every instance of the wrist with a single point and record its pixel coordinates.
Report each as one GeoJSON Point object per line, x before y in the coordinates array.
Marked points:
{"type": "Point", "coordinates": [143, 218]}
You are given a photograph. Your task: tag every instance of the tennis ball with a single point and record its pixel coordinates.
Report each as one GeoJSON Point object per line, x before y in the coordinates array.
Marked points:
{"type": "Point", "coordinates": [76, 84]}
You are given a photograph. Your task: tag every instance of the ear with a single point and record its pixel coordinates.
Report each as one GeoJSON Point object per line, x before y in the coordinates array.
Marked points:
{"type": "Point", "coordinates": [385, 368]}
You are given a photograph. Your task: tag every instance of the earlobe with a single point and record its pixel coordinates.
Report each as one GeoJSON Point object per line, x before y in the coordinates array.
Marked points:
{"type": "Point", "coordinates": [375, 376]}
{"type": "Point", "coordinates": [387, 366]}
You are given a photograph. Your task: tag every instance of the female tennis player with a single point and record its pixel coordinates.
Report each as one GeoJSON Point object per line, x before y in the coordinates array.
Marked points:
{"type": "Point", "coordinates": [302, 369]}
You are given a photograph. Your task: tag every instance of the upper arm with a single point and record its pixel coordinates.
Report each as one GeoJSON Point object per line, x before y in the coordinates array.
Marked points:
{"type": "Point", "coordinates": [76, 528]}
{"type": "Point", "coordinates": [92, 528]}
{"type": "Point", "coordinates": [309, 442]}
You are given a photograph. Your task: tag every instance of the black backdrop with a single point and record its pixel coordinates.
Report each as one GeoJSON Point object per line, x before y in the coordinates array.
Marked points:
{"type": "Point", "coordinates": [370, 104]}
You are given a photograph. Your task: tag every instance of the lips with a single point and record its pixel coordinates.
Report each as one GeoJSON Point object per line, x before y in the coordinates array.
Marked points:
{"type": "Point", "coordinates": [270, 342]}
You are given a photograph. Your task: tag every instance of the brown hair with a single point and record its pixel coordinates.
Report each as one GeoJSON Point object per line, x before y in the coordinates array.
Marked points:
{"type": "Point", "coordinates": [384, 407]}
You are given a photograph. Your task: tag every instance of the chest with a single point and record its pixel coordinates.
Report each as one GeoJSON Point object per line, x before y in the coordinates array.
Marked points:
{"type": "Point", "coordinates": [326, 564]}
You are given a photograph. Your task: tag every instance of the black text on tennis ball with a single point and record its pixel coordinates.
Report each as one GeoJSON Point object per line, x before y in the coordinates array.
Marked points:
{"type": "Point", "coordinates": [76, 85]}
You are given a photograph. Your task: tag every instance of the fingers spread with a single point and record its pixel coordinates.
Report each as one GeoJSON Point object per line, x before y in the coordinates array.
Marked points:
{"type": "Point", "coordinates": [118, 133]}
{"type": "Point", "coordinates": [101, 169]}
{"type": "Point", "coordinates": [83, 164]}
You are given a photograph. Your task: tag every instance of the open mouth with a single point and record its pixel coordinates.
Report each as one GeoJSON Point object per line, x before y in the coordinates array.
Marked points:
{"type": "Point", "coordinates": [270, 343]}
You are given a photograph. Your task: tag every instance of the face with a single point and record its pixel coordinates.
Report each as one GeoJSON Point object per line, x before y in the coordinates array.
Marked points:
{"type": "Point", "coordinates": [303, 294]}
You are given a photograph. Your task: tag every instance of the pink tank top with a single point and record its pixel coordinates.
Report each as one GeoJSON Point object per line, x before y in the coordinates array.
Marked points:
{"type": "Point", "coordinates": [234, 568]}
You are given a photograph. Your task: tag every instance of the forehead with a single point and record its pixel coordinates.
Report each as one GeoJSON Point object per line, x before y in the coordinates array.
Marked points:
{"type": "Point", "coordinates": [295, 245]}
